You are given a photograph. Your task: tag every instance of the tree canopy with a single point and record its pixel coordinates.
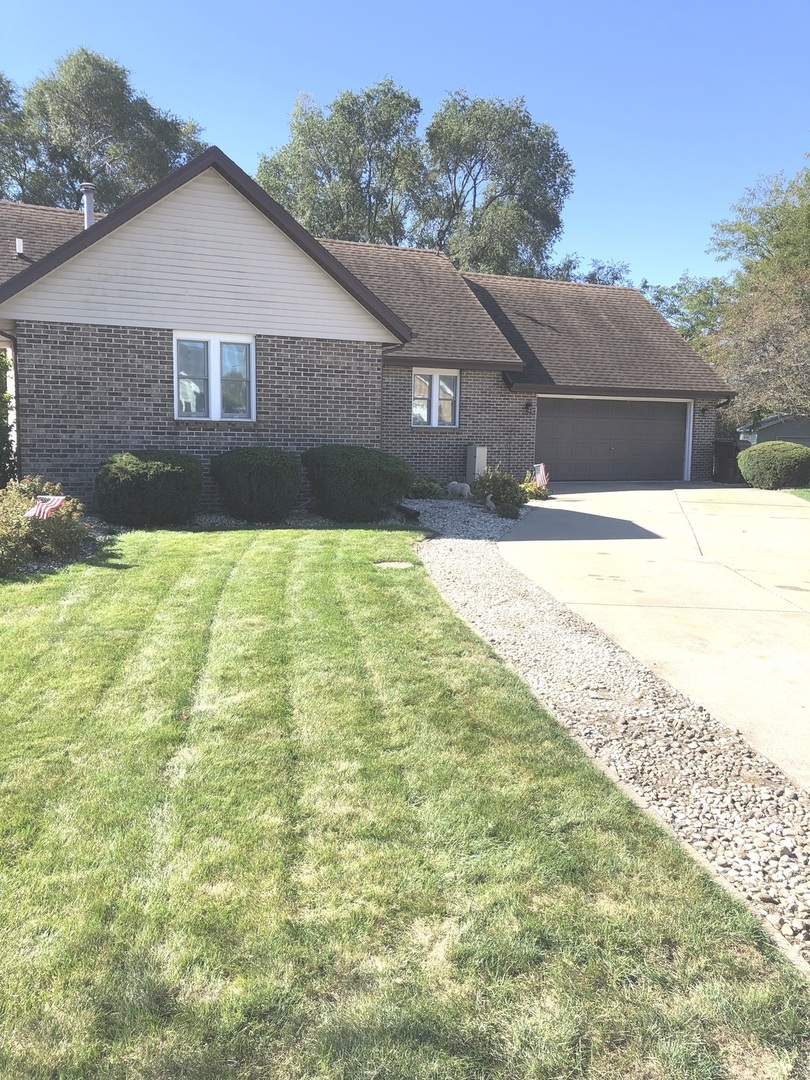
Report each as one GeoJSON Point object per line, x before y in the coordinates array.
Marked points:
{"type": "Point", "coordinates": [485, 183]}
{"type": "Point", "coordinates": [351, 173]}
{"type": "Point", "coordinates": [754, 325]}
{"type": "Point", "coordinates": [84, 121]}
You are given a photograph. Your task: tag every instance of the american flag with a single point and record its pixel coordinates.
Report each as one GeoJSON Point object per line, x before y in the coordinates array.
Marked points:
{"type": "Point", "coordinates": [45, 506]}
{"type": "Point", "coordinates": [541, 476]}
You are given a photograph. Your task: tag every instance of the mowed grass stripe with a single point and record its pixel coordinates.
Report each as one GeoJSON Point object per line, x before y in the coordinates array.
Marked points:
{"type": "Point", "coordinates": [519, 828]}
{"type": "Point", "coordinates": [72, 898]}
{"type": "Point", "coordinates": [323, 834]}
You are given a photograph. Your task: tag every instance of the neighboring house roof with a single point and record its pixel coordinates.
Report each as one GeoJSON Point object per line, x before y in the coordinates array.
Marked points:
{"type": "Point", "coordinates": [41, 228]}
{"type": "Point", "coordinates": [449, 324]}
{"type": "Point", "coordinates": [575, 338]}
{"type": "Point", "coordinates": [769, 421]}
{"type": "Point", "coordinates": [212, 158]}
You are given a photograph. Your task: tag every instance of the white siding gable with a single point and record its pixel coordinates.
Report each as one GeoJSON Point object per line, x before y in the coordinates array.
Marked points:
{"type": "Point", "coordinates": [202, 257]}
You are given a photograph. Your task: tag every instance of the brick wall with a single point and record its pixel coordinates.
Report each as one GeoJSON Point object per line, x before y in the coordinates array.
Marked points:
{"type": "Point", "coordinates": [85, 392]}
{"type": "Point", "coordinates": [703, 436]}
{"type": "Point", "coordinates": [489, 415]}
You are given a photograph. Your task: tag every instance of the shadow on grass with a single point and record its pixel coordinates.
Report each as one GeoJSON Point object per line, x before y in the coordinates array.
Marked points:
{"type": "Point", "coordinates": [103, 552]}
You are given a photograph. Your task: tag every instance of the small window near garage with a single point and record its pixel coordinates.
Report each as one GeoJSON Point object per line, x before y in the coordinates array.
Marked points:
{"type": "Point", "coordinates": [434, 400]}
{"type": "Point", "coordinates": [214, 377]}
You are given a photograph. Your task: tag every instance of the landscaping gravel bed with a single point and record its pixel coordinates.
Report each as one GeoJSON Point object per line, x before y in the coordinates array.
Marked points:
{"type": "Point", "coordinates": [719, 796]}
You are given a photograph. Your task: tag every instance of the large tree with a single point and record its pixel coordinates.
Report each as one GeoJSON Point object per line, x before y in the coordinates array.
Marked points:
{"type": "Point", "coordinates": [350, 172]}
{"type": "Point", "coordinates": [486, 183]}
{"type": "Point", "coordinates": [693, 305]}
{"type": "Point", "coordinates": [84, 121]}
{"type": "Point", "coordinates": [498, 184]}
{"type": "Point", "coordinates": [600, 272]}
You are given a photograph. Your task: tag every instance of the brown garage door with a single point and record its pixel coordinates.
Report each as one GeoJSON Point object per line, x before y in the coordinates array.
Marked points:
{"type": "Point", "coordinates": [581, 439]}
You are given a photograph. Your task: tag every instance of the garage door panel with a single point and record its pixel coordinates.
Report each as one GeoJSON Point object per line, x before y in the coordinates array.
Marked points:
{"type": "Point", "coordinates": [592, 439]}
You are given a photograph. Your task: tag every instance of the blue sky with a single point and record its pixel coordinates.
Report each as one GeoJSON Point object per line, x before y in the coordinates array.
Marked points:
{"type": "Point", "coordinates": [669, 111]}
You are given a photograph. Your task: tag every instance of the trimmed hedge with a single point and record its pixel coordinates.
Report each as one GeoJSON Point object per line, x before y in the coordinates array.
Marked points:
{"type": "Point", "coordinates": [775, 465]}
{"type": "Point", "coordinates": [148, 487]}
{"type": "Point", "coordinates": [257, 482]}
{"type": "Point", "coordinates": [61, 535]}
{"type": "Point", "coordinates": [356, 483]}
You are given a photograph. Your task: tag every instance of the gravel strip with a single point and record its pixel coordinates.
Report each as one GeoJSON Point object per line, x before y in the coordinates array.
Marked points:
{"type": "Point", "coordinates": [717, 794]}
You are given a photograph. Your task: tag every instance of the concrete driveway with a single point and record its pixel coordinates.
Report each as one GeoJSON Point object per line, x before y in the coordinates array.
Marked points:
{"type": "Point", "coordinates": [707, 585]}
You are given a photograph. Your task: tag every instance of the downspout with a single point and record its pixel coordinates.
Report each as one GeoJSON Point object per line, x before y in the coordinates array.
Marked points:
{"type": "Point", "coordinates": [10, 337]}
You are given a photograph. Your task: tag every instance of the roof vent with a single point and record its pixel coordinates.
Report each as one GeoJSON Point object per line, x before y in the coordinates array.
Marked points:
{"type": "Point", "coordinates": [20, 246]}
{"type": "Point", "coordinates": [88, 192]}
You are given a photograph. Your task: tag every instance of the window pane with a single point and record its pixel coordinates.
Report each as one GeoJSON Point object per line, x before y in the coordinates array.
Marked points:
{"type": "Point", "coordinates": [192, 359]}
{"type": "Point", "coordinates": [193, 395]}
{"type": "Point", "coordinates": [420, 410]}
{"type": "Point", "coordinates": [448, 392]}
{"type": "Point", "coordinates": [235, 397]}
{"type": "Point", "coordinates": [419, 413]}
{"type": "Point", "coordinates": [421, 386]}
{"type": "Point", "coordinates": [235, 360]}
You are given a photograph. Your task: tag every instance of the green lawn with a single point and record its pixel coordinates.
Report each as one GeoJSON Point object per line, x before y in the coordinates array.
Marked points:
{"type": "Point", "coordinates": [269, 811]}
{"type": "Point", "coordinates": [803, 493]}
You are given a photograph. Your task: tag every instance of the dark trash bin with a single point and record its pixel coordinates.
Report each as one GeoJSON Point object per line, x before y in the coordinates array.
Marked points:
{"type": "Point", "coordinates": [726, 470]}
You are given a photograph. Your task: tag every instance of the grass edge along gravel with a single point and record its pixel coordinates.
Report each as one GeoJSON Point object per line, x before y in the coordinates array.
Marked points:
{"type": "Point", "coordinates": [268, 806]}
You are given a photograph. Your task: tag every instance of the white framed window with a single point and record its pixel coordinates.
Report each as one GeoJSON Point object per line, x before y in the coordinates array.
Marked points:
{"type": "Point", "coordinates": [214, 376]}
{"type": "Point", "coordinates": [434, 398]}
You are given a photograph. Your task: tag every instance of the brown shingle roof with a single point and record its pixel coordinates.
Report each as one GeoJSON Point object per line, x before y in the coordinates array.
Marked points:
{"type": "Point", "coordinates": [41, 228]}
{"type": "Point", "coordinates": [449, 325]}
{"type": "Point", "coordinates": [548, 336]}
{"type": "Point", "coordinates": [576, 338]}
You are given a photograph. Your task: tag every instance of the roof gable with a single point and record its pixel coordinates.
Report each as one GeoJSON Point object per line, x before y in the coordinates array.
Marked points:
{"type": "Point", "coordinates": [448, 322]}
{"type": "Point", "coordinates": [215, 161]}
{"type": "Point", "coordinates": [577, 338]}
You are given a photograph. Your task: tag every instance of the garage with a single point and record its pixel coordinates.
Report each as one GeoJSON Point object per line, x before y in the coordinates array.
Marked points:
{"type": "Point", "coordinates": [611, 439]}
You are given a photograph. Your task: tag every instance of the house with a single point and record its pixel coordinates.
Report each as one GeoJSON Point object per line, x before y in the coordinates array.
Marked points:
{"type": "Point", "coordinates": [201, 317]}
{"type": "Point", "coordinates": [777, 428]}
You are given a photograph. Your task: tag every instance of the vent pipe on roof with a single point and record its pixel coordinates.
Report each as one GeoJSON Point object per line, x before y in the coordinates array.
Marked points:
{"type": "Point", "coordinates": [88, 191]}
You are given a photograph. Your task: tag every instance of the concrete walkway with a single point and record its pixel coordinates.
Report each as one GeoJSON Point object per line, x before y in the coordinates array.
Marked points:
{"type": "Point", "coordinates": [707, 585]}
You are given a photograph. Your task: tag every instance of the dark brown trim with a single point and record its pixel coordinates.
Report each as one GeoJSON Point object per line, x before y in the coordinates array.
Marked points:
{"type": "Point", "coordinates": [212, 158]}
{"type": "Point", "coordinates": [550, 390]}
{"type": "Point", "coordinates": [397, 361]}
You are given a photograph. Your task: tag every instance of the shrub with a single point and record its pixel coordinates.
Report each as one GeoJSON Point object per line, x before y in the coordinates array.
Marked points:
{"type": "Point", "coordinates": [508, 510]}
{"type": "Point", "coordinates": [148, 487]}
{"type": "Point", "coordinates": [530, 489]}
{"type": "Point", "coordinates": [502, 486]}
{"type": "Point", "coordinates": [356, 483]}
{"type": "Point", "coordinates": [775, 465]}
{"type": "Point", "coordinates": [60, 536]}
{"type": "Point", "coordinates": [428, 489]}
{"type": "Point", "coordinates": [257, 482]}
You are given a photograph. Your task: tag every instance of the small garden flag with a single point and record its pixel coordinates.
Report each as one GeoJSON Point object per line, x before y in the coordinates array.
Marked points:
{"type": "Point", "coordinates": [45, 506]}
{"type": "Point", "coordinates": [541, 477]}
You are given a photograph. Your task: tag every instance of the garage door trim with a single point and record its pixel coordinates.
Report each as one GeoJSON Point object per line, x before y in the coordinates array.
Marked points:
{"type": "Point", "coordinates": [688, 427]}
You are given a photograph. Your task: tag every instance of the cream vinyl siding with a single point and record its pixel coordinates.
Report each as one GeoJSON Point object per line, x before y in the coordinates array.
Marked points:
{"type": "Point", "coordinates": [204, 257]}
